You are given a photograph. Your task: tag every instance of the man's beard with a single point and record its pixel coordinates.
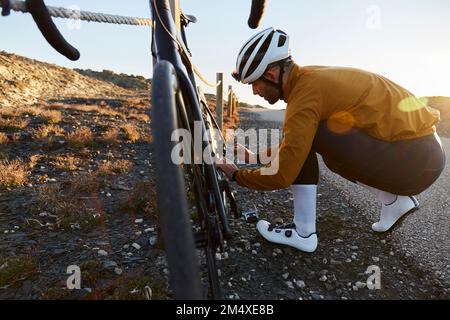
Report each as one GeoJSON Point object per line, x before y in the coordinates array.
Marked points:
{"type": "Point", "coordinates": [273, 96]}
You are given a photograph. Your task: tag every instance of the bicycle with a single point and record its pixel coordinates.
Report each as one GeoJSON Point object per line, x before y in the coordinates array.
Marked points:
{"type": "Point", "coordinates": [177, 103]}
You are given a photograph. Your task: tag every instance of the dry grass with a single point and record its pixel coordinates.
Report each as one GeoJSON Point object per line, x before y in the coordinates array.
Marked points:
{"type": "Point", "coordinates": [13, 270]}
{"type": "Point", "coordinates": [13, 174]}
{"type": "Point", "coordinates": [66, 163]}
{"type": "Point", "coordinates": [13, 124]}
{"type": "Point", "coordinates": [51, 116]}
{"type": "Point", "coordinates": [111, 136]}
{"type": "Point", "coordinates": [139, 116]}
{"type": "Point", "coordinates": [142, 199]}
{"type": "Point", "coordinates": [45, 130]}
{"type": "Point", "coordinates": [107, 168]}
{"type": "Point", "coordinates": [81, 138]}
{"type": "Point", "coordinates": [131, 132]}
{"type": "Point", "coordinates": [74, 202]}
{"type": "Point", "coordinates": [34, 159]}
{"type": "Point", "coordinates": [101, 110]}
{"type": "Point", "coordinates": [3, 138]}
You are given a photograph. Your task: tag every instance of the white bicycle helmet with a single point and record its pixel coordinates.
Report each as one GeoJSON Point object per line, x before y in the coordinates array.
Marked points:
{"type": "Point", "coordinates": [266, 47]}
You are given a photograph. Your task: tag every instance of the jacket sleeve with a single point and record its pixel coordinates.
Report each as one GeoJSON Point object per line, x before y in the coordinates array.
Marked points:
{"type": "Point", "coordinates": [300, 127]}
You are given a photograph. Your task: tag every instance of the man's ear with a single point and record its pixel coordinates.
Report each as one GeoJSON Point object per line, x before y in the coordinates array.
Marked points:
{"type": "Point", "coordinates": [272, 74]}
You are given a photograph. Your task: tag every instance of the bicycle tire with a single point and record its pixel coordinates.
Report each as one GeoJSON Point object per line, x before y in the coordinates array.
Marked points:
{"type": "Point", "coordinates": [174, 220]}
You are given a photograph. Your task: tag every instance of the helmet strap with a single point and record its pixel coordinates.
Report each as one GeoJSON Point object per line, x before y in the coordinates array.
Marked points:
{"type": "Point", "coordinates": [278, 85]}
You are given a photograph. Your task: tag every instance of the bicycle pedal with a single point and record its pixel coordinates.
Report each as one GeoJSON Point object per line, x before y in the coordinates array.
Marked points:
{"type": "Point", "coordinates": [251, 216]}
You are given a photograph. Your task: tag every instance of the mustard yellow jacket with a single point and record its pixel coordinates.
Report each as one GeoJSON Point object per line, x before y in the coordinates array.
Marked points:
{"type": "Point", "coordinates": [346, 98]}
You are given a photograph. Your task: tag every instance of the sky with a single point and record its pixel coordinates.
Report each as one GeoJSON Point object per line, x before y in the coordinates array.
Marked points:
{"type": "Point", "coordinates": [407, 41]}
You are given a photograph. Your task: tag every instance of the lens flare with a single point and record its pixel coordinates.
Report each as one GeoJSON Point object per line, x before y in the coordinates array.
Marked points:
{"type": "Point", "coordinates": [341, 122]}
{"type": "Point", "coordinates": [412, 104]}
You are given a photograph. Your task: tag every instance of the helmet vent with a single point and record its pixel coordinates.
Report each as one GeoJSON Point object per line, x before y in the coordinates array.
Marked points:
{"type": "Point", "coordinates": [260, 55]}
{"type": "Point", "coordinates": [282, 41]}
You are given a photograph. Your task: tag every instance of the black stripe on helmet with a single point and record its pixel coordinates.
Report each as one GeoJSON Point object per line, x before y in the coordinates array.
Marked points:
{"type": "Point", "coordinates": [251, 39]}
{"type": "Point", "coordinates": [260, 55]}
{"type": "Point", "coordinates": [247, 55]}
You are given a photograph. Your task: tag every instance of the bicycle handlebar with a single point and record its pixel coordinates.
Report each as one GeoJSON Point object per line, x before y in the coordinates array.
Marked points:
{"type": "Point", "coordinates": [256, 13]}
{"type": "Point", "coordinates": [49, 30]}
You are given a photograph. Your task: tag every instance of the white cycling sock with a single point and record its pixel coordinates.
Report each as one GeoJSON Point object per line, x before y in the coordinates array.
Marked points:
{"type": "Point", "coordinates": [393, 208]}
{"type": "Point", "coordinates": [384, 197]}
{"type": "Point", "coordinates": [305, 209]}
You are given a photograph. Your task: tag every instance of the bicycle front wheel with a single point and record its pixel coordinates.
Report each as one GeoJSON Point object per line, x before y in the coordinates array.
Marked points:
{"type": "Point", "coordinates": [174, 217]}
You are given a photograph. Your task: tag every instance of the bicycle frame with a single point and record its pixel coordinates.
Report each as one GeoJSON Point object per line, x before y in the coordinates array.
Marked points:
{"type": "Point", "coordinates": [167, 50]}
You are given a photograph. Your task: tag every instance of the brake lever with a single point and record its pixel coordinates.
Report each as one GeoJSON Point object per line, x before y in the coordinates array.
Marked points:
{"type": "Point", "coordinates": [43, 20]}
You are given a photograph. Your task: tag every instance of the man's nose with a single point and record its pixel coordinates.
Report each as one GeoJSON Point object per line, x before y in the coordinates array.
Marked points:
{"type": "Point", "coordinates": [255, 89]}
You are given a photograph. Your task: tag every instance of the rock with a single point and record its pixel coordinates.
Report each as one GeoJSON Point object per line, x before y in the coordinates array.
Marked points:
{"type": "Point", "coordinates": [339, 241]}
{"type": "Point", "coordinates": [225, 255]}
{"type": "Point", "coordinates": [59, 251]}
{"type": "Point", "coordinates": [254, 252]}
{"type": "Point", "coordinates": [285, 275]}
{"type": "Point", "coordinates": [376, 259]}
{"type": "Point", "coordinates": [391, 253]}
{"type": "Point", "coordinates": [290, 284]}
{"type": "Point", "coordinates": [383, 241]}
{"type": "Point", "coordinates": [138, 233]}
{"type": "Point", "coordinates": [277, 251]}
{"type": "Point", "coordinates": [218, 256]}
{"type": "Point", "coordinates": [300, 283]}
{"type": "Point", "coordinates": [323, 278]}
{"type": "Point", "coordinates": [118, 271]}
{"type": "Point", "coordinates": [136, 246]}
{"type": "Point", "coordinates": [360, 285]}
{"type": "Point", "coordinates": [149, 230]}
{"type": "Point", "coordinates": [315, 296]}
{"type": "Point", "coordinates": [126, 246]}
{"type": "Point", "coordinates": [335, 262]}
{"type": "Point", "coordinates": [257, 245]}
{"type": "Point", "coordinates": [153, 241]}
{"type": "Point", "coordinates": [348, 260]}
{"type": "Point", "coordinates": [355, 288]}
{"type": "Point", "coordinates": [102, 253]}
{"type": "Point", "coordinates": [109, 264]}
{"type": "Point", "coordinates": [138, 221]}
{"type": "Point", "coordinates": [108, 195]}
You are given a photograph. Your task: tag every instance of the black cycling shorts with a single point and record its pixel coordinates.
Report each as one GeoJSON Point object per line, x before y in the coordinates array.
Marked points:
{"type": "Point", "coordinates": [406, 167]}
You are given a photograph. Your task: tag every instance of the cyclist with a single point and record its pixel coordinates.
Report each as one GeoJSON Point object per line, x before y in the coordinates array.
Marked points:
{"type": "Point", "coordinates": [368, 130]}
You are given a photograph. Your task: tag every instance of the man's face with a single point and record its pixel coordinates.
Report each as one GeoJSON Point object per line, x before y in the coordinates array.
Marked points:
{"type": "Point", "coordinates": [263, 89]}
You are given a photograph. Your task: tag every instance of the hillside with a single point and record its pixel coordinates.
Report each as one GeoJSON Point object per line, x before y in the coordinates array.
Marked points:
{"type": "Point", "coordinates": [25, 81]}
{"type": "Point", "coordinates": [122, 80]}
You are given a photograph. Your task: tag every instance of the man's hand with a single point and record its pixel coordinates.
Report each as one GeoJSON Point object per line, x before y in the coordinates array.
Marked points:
{"type": "Point", "coordinates": [227, 167]}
